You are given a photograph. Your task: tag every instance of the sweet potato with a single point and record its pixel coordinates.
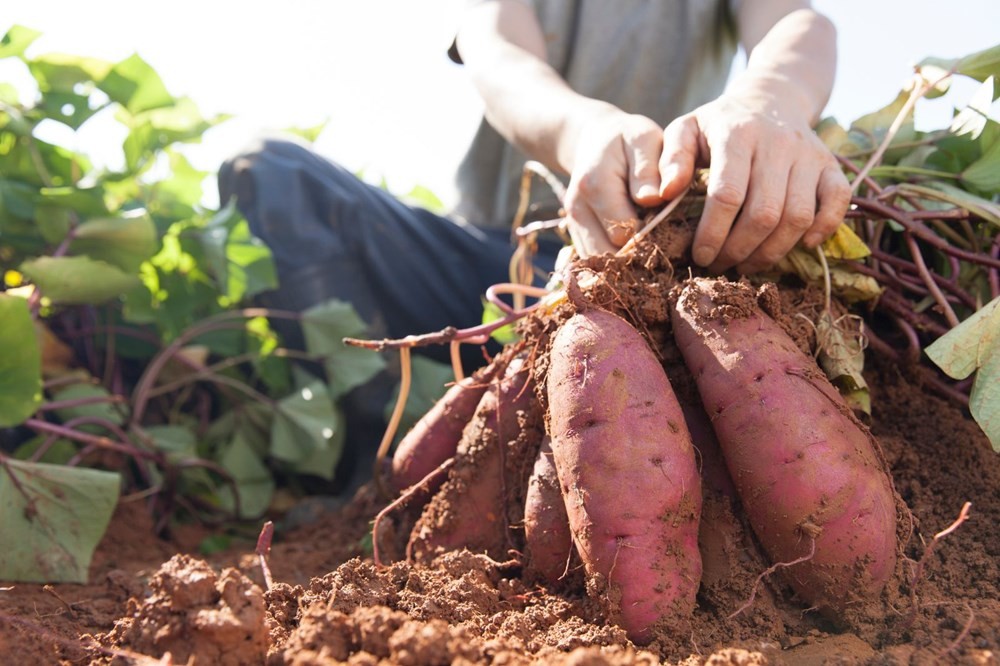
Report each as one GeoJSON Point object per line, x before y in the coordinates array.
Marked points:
{"type": "Point", "coordinates": [548, 543]}
{"type": "Point", "coordinates": [434, 439]}
{"type": "Point", "coordinates": [627, 469]}
{"type": "Point", "coordinates": [471, 508]}
{"type": "Point", "coordinates": [807, 471]}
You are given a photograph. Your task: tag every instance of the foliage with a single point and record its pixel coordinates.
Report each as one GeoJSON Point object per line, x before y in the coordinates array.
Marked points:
{"type": "Point", "coordinates": [927, 209]}
{"type": "Point", "coordinates": [131, 358]}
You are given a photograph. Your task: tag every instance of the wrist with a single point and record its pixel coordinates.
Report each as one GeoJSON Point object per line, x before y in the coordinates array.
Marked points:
{"type": "Point", "coordinates": [584, 114]}
{"type": "Point", "coordinates": [777, 96]}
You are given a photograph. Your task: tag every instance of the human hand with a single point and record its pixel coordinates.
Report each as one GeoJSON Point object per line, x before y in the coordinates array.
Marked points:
{"type": "Point", "coordinates": [771, 181]}
{"type": "Point", "coordinates": [615, 166]}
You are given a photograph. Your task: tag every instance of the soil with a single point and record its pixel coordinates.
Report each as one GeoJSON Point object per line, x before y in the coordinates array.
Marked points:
{"type": "Point", "coordinates": [330, 603]}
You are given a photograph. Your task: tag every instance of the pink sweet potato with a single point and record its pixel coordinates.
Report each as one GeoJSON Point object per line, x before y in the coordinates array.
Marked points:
{"type": "Point", "coordinates": [627, 469]}
{"type": "Point", "coordinates": [434, 439]}
{"type": "Point", "coordinates": [471, 509]}
{"type": "Point", "coordinates": [548, 542]}
{"type": "Point", "coordinates": [808, 472]}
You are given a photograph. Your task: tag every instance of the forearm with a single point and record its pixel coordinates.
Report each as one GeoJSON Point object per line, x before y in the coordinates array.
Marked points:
{"type": "Point", "coordinates": [525, 99]}
{"type": "Point", "coordinates": [791, 69]}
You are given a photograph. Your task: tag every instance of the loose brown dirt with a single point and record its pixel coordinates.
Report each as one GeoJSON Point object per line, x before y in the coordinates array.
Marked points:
{"type": "Point", "coordinates": [331, 604]}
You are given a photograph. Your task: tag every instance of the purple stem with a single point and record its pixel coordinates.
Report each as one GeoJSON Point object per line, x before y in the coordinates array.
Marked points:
{"type": "Point", "coordinates": [994, 275]}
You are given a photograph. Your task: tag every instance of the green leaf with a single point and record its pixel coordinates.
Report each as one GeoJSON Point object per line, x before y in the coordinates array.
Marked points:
{"type": "Point", "coordinates": [979, 65]}
{"type": "Point", "coordinates": [85, 201]}
{"type": "Point", "coordinates": [159, 128]}
{"type": "Point", "coordinates": [17, 39]}
{"type": "Point", "coordinates": [106, 409]}
{"type": "Point", "coordinates": [974, 346]}
{"type": "Point", "coordinates": [984, 173]}
{"type": "Point", "coordinates": [956, 196]}
{"type": "Point", "coordinates": [9, 95]}
{"type": "Point", "coordinates": [325, 326]}
{"type": "Point", "coordinates": [20, 362]}
{"type": "Point", "coordinates": [869, 130]}
{"type": "Point", "coordinates": [323, 462]}
{"type": "Point", "coordinates": [124, 242]}
{"type": "Point", "coordinates": [304, 422]}
{"type": "Point", "coordinates": [68, 108]}
{"type": "Point", "coordinates": [241, 263]}
{"type": "Point", "coordinates": [506, 333]}
{"type": "Point", "coordinates": [136, 86]}
{"type": "Point", "coordinates": [252, 477]}
{"type": "Point", "coordinates": [984, 401]}
{"type": "Point", "coordinates": [309, 134]}
{"type": "Point", "coordinates": [424, 198]}
{"type": "Point", "coordinates": [77, 280]}
{"type": "Point", "coordinates": [176, 441]}
{"type": "Point", "coordinates": [60, 452]}
{"type": "Point", "coordinates": [59, 72]}
{"type": "Point", "coordinates": [964, 348]}
{"type": "Point", "coordinates": [51, 520]}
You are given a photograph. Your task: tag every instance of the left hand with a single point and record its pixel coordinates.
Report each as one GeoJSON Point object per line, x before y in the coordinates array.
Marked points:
{"type": "Point", "coordinates": [771, 181]}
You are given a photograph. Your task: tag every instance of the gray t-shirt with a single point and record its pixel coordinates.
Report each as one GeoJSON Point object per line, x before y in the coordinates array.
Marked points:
{"type": "Point", "coordinates": [658, 58]}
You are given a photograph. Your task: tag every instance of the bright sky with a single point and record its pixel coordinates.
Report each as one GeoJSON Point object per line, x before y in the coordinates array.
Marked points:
{"type": "Point", "coordinates": [378, 70]}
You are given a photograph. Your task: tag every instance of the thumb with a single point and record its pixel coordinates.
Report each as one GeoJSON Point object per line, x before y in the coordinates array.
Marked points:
{"type": "Point", "coordinates": [680, 153]}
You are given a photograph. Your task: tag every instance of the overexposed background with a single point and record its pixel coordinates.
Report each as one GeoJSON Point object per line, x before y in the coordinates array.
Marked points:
{"type": "Point", "coordinates": [378, 71]}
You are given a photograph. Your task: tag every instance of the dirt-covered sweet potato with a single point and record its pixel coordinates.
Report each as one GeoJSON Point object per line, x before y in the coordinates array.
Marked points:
{"type": "Point", "coordinates": [807, 471]}
{"type": "Point", "coordinates": [548, 543]}
{"type": "Point", "coordinates": [627, 469]}
{"type": "Point", "coordinates": [472, 509]}
{"type": "Point", "coordinates": [434, 439]}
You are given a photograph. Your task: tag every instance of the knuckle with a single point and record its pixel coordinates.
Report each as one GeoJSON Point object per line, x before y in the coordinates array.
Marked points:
{"type": "Point", "coordinates": [765, 215]}
{"type": "Point", "coordinates": [728, 196]}
{"type": "Point", "coordinates": [799, 219]}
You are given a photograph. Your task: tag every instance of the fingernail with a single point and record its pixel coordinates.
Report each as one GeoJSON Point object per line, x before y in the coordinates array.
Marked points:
{"type": "Point", "coordinates": [646, 191]}
{"type": "Point", "coordinates": [703, 256]}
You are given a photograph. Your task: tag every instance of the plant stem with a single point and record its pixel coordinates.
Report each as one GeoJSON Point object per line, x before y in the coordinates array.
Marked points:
{"type": "Point", "coordinates": [393, 426]}
{"type": "Point", "coordinates": [920, 88]}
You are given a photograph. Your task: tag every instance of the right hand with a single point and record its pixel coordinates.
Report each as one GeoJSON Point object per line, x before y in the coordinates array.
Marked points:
{"type": "Point", "coordinates": [615, 166]}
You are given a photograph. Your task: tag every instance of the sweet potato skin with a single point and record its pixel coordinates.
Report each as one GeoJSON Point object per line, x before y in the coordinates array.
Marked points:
{"type": "Point", "coordinates": [627, 468]}
{"type": "Point", "coordinates": [434, 439]}
{"type": "Point", "coordinates": [548, 542]}
{"type": "Point", "coordinates": [808, 472]}
{"type": "Point", "coordinates": [471, 508]}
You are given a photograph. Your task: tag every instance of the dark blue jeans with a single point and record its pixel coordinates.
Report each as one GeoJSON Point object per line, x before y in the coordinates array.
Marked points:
{"type": "Point", "coordinates": [405, 270]}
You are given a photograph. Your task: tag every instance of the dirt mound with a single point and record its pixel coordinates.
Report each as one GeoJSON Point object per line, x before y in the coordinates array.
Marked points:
{"type": "Point", "coordinates": [195, 615]}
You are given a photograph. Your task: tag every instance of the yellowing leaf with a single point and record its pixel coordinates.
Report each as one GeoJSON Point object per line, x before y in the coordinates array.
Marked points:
{"type": "Point", "coordinates": [842, 357]}
{"type": "Point", "coordinates": [845, 283]}
{"type": "Point", "coordinates": [845, 244]}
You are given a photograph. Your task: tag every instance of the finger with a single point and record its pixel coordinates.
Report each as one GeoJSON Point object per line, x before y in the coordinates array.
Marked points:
{"type": "Point", "coordinates": [727, 188]}
{"type": "Point", "coordinates": [761, 213]}
{"type": "Point", "coordinates": [679, 155]}
{"type": "Point", "coordinates": [797, 217]}
{"type": "Point", "coordinates": [605, 205]}
{"type": "Point", "coordinates": [834, 193]}
{"type": "Point", "coordinates": [588, 234]}
{"type": "Point", "coordinates": [642, 150]}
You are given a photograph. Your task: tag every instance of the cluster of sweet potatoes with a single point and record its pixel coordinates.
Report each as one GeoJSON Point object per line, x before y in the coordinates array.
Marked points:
{"type": "Point", "coordinates": [582, 456]}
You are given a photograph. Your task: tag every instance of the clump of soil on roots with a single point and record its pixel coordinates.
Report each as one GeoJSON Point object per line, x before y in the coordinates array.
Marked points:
{"type": "Point", "coordinates": [332, 604]}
